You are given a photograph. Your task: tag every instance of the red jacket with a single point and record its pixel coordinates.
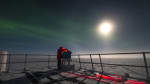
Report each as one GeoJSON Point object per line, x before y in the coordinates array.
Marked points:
{"type": "Point", "coordinates": [59, 53]}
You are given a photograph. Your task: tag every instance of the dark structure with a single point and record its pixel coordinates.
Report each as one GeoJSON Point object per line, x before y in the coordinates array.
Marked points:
{"type": "Point", "coordinates": [82, 68]}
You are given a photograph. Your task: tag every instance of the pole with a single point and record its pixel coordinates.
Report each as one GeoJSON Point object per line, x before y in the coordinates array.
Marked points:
{"type": "Point", "coordinates": [9, 65]}
{"type": "Point", "coordinates": [48, 61]}
{"type": "Point", "coordinates": [100, 59]}
{"type": "Point", "coordinates": [79, 61]}
{"type": "Point", "coordinates": [25, 62]}
{"type": "Point", "coordinates": [91, 62]}
{"type": "Point", "coordinates": [146, 67]}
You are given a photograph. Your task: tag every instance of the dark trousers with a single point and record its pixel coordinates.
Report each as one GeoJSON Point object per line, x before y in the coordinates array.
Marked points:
{"type": "Point", "coordinates": [58, 64]}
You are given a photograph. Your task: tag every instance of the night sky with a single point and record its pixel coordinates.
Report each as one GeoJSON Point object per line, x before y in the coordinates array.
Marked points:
{"type": "Point", "coordinates": [44, 25]}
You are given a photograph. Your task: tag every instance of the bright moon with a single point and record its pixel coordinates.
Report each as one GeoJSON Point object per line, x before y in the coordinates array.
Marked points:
{"type": "Point", "coordinates": [105, 28]}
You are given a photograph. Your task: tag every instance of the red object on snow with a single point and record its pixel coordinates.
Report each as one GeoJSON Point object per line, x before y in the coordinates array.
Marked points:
{"type": "Point", "coordinates": [104, 78]}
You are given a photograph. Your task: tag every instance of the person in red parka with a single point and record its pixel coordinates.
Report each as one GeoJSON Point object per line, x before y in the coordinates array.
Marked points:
{"type": "Point", "coordinates": [64, 57]}
{"type": "Point", "coordinates": [59, 56]}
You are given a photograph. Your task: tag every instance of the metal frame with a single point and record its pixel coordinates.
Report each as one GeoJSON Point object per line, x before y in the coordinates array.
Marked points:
{"type": "Point", "coordinates": [26, 62]}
